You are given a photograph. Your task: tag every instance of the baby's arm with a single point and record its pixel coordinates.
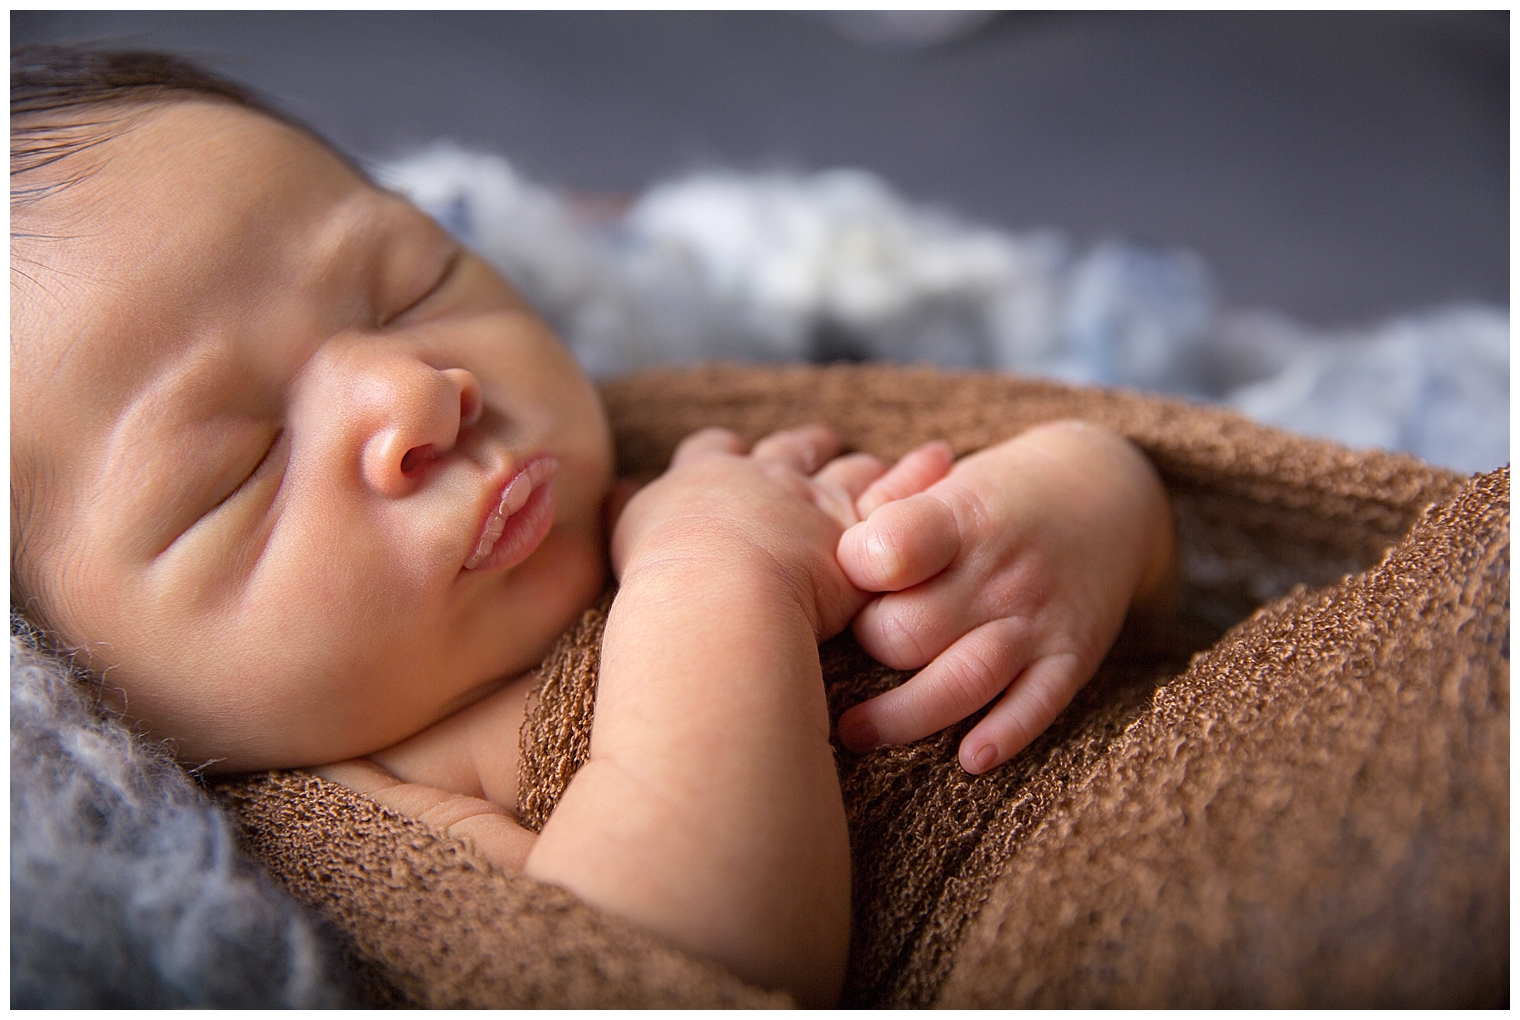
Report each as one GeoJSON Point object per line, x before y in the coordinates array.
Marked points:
{"type": "Point", "coordinates": [710, 810]}
{"type": "Point", "coordinates": [1011, 575]}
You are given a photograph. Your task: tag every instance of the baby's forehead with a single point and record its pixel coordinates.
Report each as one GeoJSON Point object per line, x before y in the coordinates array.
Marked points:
{"type": "Point", "coordinates": [185, 206]}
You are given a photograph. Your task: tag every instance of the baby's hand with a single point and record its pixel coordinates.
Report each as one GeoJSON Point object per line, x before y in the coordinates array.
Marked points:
{"type": "Point", "coordinates": [1011, 576]}
{"type": "Point", "coordinates": [780, 507]}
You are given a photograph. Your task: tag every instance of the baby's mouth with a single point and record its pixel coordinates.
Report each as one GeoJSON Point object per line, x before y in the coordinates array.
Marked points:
{"type": "Point", "coordinates": [534, 475]}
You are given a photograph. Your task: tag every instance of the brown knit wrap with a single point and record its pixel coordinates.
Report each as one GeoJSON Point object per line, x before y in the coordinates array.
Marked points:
{"type": "Point", "coordinates": [1315, 814]}
{"type": "Point", "coordinates": [1313, 811]}
{"type": "Point", "coordinates": [431, 924]}
{"type": "Point", "coordinates": [555, 740]}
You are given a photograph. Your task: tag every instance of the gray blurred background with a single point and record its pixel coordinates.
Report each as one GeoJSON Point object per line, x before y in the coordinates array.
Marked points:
{"type": "Point", "coordinates": [1338, 167]}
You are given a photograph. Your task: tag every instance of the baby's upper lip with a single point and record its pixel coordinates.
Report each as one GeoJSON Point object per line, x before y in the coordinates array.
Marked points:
{"type": "Point", "coordinates": [508, 494]}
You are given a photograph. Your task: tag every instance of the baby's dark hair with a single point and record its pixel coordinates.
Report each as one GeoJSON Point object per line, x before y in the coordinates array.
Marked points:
{"type": "Point", "coordinates": [55, 88]}
{"type": "Point", "coordinates": [47, 77]}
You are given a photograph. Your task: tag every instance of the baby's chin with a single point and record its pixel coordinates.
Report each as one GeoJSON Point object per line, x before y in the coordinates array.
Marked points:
{"type": "Point", "coordinates": [566, 580]}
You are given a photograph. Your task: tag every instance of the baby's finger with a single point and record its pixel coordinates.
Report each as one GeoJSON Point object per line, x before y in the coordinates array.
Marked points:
{"type": "Point", "coordinates": [805, 448]}
{"type": "Point", "coordinates": [1031, 705]}
{"type": "Point", "coordinates": [841, 480]}
{"type": "Point", "coordinates": [851, 473]}
{"type": "Point", "coordinates": [707, 441]}
{"type": "Point", "coordinates": [965, 677]}
{"type": "Point", "coordinates": [902, 544]}
{"type": "Point", "coordinates": [906, 630]}
{"type": "Point", "coordinates": [914, 472]}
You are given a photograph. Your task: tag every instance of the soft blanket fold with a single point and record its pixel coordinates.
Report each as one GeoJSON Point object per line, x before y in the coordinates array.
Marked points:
{"type": "Point", "coordinates": [1312, 810]}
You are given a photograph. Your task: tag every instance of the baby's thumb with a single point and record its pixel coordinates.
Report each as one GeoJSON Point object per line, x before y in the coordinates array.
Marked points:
{"type": "Point", "coordinates": [902, 544]}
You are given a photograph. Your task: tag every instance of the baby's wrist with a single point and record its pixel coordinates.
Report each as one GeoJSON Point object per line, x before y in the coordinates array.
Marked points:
{"type": "Point", "coordinates": [684, 561]}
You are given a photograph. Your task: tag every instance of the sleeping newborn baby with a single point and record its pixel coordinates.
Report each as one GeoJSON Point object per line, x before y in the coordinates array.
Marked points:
{"type": "Point", "coordinates": [306, 484]}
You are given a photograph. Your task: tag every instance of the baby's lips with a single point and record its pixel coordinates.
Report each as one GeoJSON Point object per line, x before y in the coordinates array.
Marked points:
{"type": "Point", "coordinates": [514, 496]}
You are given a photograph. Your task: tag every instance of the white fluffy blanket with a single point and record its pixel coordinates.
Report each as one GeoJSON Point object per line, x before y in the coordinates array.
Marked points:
{"type": "Point", "coordinates": [778, 267]}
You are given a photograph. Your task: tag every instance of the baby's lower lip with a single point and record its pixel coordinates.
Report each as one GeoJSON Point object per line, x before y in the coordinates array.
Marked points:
{"type": "Point", "coordinates": [520, 521]}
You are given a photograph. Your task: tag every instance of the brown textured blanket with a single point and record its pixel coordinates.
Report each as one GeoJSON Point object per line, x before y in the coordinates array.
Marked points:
{"type": "Point", "coordinates": [1298, 795]}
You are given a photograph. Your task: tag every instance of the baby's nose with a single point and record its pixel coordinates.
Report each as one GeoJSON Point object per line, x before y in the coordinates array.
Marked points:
{"type": "Point", "coordinates": [421, 410]}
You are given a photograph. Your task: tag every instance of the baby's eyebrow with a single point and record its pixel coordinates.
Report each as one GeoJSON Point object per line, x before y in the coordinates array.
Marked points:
{"type": "Point", "coordinates": [349, 243]}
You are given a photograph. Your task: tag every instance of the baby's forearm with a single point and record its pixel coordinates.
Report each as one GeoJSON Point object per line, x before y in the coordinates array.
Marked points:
{"type": "Point", "coordinates": [709, 810]}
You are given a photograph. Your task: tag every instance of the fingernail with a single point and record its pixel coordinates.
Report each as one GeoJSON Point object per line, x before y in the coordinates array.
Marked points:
{"type": "Point", "coordinates": [859, 735]}
{"type": "Point", "coordinates": [984, 759]}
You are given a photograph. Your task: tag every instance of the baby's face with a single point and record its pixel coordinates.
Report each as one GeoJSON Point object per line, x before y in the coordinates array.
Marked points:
{"type": "Point", "coordinates": [272, 431]}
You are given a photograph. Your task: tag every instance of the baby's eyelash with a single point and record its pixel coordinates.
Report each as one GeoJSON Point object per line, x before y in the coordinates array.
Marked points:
{"type": "Point", "coordinates": [264, 461]}
{"type": "Point", "coordinates": [443, 277]}
{"type": "Point", "coordinates": [264, 465]}
{"type": "Point", "coordinates": [204, 508]}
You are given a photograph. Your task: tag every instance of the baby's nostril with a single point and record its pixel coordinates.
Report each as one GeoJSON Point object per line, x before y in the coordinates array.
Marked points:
{"type": "Point", "coordinates": [469, 405]}
{"type": "Point", "coordinates": [416, 459]}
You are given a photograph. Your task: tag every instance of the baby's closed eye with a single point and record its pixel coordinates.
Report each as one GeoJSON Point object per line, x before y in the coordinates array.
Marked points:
{"type": "Point", "coordinates": [249, 469]}
{"type": "Point", "coordinates": [271, 462]}
{"type": "Point", "coordinates": [414, 301]}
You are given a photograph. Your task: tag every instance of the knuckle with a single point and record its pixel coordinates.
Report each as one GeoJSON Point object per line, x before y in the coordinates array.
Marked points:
{"type": "Point", "coordinates": [861, 465]}
{"type": "Point", "coordinates": [1046, 706]}
{"type": "Point", "coordinates": [707, 438]}
{"type": "Point", "coordinates": [834, 502]}
{"type": "Point", "coordinates": [882, 555]}
{"type": "Point", "coordinates": [901, 638]}
{"type": "Point", "coordinates": [1054, 686]}
{"type": "Point", "coordinates": [895, 641]}
{"type": "Point", "coordinates": [1017, 734]}
{"type": "Point", "coordinates": [973, 676]}
{"type": "Point", "coordinates": [1041, 695]}
{"type": "Point", "coordinates": [1018, 587]}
